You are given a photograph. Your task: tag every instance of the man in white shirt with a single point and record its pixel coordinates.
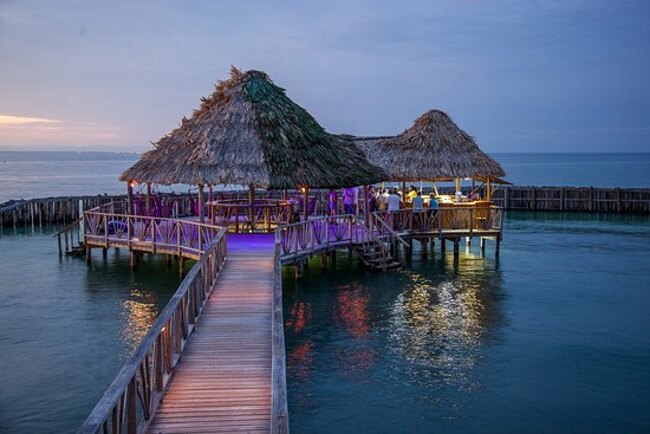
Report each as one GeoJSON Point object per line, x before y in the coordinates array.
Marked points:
{"type": "Point", "coordinates": [393, 201]}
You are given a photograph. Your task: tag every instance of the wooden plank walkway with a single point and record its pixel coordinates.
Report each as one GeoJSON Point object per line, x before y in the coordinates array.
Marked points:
{"type": "Point", "coordinates": [223, 382]}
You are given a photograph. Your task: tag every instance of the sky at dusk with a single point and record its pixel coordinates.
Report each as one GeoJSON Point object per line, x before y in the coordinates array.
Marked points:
{"type": "Point", "coordinates": [520, 76]}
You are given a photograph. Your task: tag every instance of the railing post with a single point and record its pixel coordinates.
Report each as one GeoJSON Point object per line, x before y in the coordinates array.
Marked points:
{"type": "Point", "coordinates": [350, 227]}
{"type": "Point", "coordinates": [105, 217]}
{"type": "Point", "coordinates": [132, 411]}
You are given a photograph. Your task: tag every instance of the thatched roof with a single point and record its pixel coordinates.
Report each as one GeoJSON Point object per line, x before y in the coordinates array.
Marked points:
{"type": "Point", "coordinates": [249, 132]}
{"type": "Point", "coordinates": [433, 148]}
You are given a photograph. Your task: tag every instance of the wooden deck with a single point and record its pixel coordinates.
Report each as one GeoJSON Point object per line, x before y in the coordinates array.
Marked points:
{"type": "Point", "coordinates": [223, 382]}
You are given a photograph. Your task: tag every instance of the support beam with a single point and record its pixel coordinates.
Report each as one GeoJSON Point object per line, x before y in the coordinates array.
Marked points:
{"type": "Point", "coordinates": [305, 203]}
{"type": "Point", "coordinates": [366, 207]}
{"type": "Point", "coordinates": [488, 186]}
{"type": "Point", "coordinates": [88, 255]}
{"type": "Point", "coordinates": [201, 203]}
{"type": "Point", "coordinates": [251, 206]}
{"type": "Point", "coordinates": [133, 259]}
{"type": "Point", "coordinates": [300, 268]}
{"type": "Point", "coordinates": [148, 198]}
{"type": "Point", "coordinates": [129, 197]}
{"type": "Point", "coordinates": [324, 262]}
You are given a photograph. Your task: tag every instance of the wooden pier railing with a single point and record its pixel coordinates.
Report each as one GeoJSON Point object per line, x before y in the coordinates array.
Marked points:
{"type": "Point", "coordinates": [185, 238]}
{"type": "Point", "coordinates": [279, 406]}
{"type": "Point", "coordinates": [305, 238]}
{"type": "Point", "coordinates": [132, 398]}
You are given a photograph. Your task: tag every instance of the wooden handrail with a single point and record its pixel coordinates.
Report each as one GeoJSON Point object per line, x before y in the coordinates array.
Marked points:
{"type": "Point", "coordinates": [393, 234]}
{"type": "Point", "coordinates": [138, 388]}
{"type": "Point", "coordinates": [67, 228]}
{"type": "Point", "coordinates": [279, 407]}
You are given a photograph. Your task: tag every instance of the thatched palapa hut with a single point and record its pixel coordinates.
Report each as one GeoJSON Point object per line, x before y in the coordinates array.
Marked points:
{"type": "Point", "coordinates": [434, 148]}
{"type": "Point", "coordinates": [249, 132]}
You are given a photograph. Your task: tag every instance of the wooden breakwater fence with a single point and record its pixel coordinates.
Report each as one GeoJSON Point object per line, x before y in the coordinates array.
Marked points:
{"type": "Point", "coordinates": [526, 198]}
{"type": "Point", "coordinates": [583, 199]}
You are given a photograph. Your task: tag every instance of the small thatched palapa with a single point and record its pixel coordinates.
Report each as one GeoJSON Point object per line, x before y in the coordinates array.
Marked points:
{"type": "Point", "coordinates": [248, 132]}
{"type": "Point", "coordinates": [433, 148]}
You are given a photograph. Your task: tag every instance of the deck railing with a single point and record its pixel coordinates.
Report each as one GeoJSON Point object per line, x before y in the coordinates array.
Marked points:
{"type": "Point", "coordinates": [132, 399]}
{"type": "Point", "coordinates": [279, 408]}
{"type": "Point", "coordinates": [319, 233]}
{"type": "Point", "coordinates": [447, 220]}
{"type": "Point", "coordinates": [236, 214]}
{"type": "Point", "coordinates": [172, 236]}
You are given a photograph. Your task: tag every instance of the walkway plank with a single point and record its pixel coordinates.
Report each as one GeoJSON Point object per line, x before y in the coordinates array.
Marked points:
{"type": "Point", "coordinates": [223, 382]}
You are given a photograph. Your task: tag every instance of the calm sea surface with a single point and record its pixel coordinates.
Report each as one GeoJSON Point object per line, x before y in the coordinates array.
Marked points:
{"type": "Point", "coordinates": [552, 338]}
{"type": "Point", "coordinates": [25, 175]}
{"type": "Point", "coordinates": [66, 328]}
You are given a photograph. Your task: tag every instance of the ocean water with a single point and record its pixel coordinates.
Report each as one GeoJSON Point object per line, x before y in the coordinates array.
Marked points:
{"type": "Point", "coordinates": [553, 337]}
{"type": "Point", "coordinates": [67, 328]}
{"type": "Point", "coordinates": [25, 175]}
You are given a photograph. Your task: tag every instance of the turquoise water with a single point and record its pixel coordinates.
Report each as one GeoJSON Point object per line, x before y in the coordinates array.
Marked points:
{"type": "Point", "coordinates": [552, 337]}
{"type": "Point", "coordinates": [25, 175]}
{"type": "Point", "coordinates": [66, 328]}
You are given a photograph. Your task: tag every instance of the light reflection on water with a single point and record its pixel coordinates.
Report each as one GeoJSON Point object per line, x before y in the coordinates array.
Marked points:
{"type": "Point", "coordinates": [552, 337]}
{"type": "Point", "coordinates": [413, 327]}
{"type": "Point", "coordinates": [139, 312]}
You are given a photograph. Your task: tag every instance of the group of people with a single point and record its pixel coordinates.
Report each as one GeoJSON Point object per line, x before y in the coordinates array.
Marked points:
{"type": "Point", "coordinates": [390, 199]}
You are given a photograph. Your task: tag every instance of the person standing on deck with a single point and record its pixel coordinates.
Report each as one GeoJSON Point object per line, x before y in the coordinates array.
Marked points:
{"type": "Point", "coordinates": [433, 202]}
{"type": "Point", "coordinates": [355, 200]}
{"type": "Point", "coordinates": [332, 201]}
{"type": "Point", "coordinates": [373, 205]}
{"type": "Point", "coordinates": [348, 200]}
{"type": "Point", "coordinates": [413, 192]}
{"type": "Point", "coordinates": [381, 199]}
{"type": "Point", "coordinates": [394, 201]}
{"type": "Point", "coordinates": [418, 202]}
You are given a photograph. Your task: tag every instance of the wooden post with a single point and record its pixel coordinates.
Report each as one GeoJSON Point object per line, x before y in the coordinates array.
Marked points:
{"type": "Point", "coordinates": [488, 186]}
{"type": "Point", "coordinates": [251, 206]}
{"type": "Point", "coordinates": [88, 255]}
{"type": "Point", "coordinates": [562, 198]}
{"type": "Point", "coordinates": [324, 261]}
{"type": "Point", "coordinates": [443, 247]}
{"type": "Point", "coordinates": [366, 207]}
{"type": "Point", "coordinates": [497, 247]}
{"type": "Point", "coordinates": [129, 197]}
{"type": "Point", "coordinates": [483, 246]}
{"type": "Point", "coordinates": [133, 260]}
{"type": "Point", "coordinates": [299, 269]}
{"type": "Point", "coordinates": [534, 202]}
{"type": "Point", "coordinates": [200, 200]}
{"type": "Point", "coordinates": [148, 198]}
{"type": "Point", "coordinates": [591, 198]}
{"type": "Point", "coordinates": [456, 246]}
{"type": "Point", "coordinates": [506, 193]}
{"type": "Point", "coordinates": [408, 251]}
{"type": "Point", "coordinates": [58, 239]}
{"type": "Point", "coordinates": [618, 200]}
{"type": "Point", "coordinates": [306, 202]}
{"type": "Point", "coordinates": [181, 266]}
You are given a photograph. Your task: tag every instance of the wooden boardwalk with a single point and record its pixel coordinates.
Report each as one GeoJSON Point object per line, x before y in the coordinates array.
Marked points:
{"type": "Point", "coordinates": [223, 382]}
